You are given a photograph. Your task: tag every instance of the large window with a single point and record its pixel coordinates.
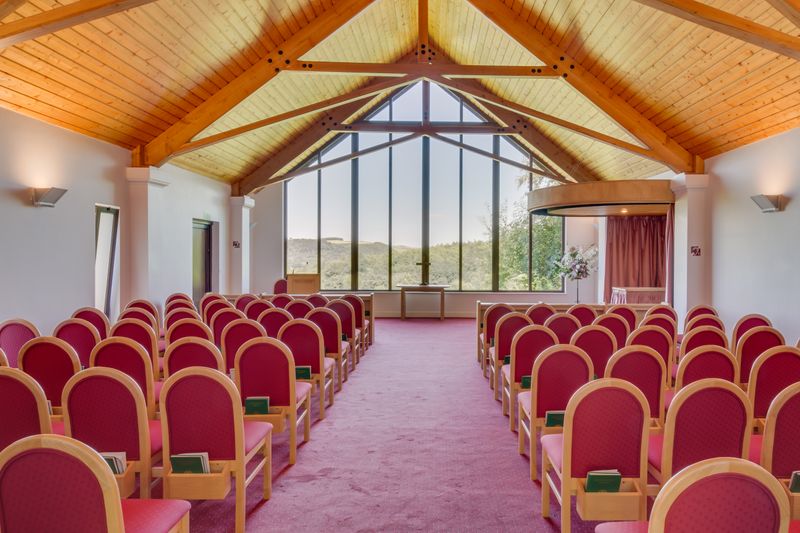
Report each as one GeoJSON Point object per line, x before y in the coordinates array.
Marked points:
{"type": "Point", "coordinates": [447, 209]}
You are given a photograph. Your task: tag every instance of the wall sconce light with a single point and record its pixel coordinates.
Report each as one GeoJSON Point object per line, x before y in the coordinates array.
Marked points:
{"type": "Point", "coordinates": [768, 203]}
{"type": "Point", "coordinates": [47, 197]}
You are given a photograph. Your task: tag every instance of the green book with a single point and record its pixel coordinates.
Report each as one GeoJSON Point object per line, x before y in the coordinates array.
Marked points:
{"type": "Point", "coordinates": [525, 383]}
{"type": "Point", "coordinates": [302, 372]}
{"type": "Point", "coordinates": [366, 313]}
{"type": "Point", "coordinates": [794, 484]}
{"type": "Point", "coordinates": [603, 481]}
{"type": "Point", "coordinates": [116, 461]}
{"type": "Point", "coordinates": [554, 419]}
{"type": "Point", "coordinates": [256, 405]}
{"type": "Point", "coordinates": [190, 463]}
{"type": "Point", "coordinates": [344, 337]}
{"type": "Point", "coordinates": [507, 360]}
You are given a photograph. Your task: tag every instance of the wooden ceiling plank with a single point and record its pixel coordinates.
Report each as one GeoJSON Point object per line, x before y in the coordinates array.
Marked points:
{"type": "Point", "coordinates": [788, 8]}
{"type": "Point", "coordinates": [61, 18]}
{"type": "Point", "coordinates": [159, 149]}
{"type": "Point", "coordinates": [423, 69]}
{"type": "Point", "coordinates": [9, 6]}
{"type": "Point", "coordinates": [731, 25]}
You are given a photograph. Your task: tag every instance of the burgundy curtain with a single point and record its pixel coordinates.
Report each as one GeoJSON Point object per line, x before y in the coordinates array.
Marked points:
{"type": "Point", "coordinates": [669, 248]}
{"type": "Point", "coordinates": [635, 252]}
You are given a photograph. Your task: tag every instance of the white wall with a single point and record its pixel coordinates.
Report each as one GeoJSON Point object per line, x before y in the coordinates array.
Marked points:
{"type": "Point", "coordinates": [755, 256]}
{"type": "Point", "coordinates": [266, 254]}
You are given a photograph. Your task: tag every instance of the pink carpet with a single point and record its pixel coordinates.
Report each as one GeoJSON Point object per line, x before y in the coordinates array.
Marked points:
{"type": "Point", "coordinates": [415, 442]}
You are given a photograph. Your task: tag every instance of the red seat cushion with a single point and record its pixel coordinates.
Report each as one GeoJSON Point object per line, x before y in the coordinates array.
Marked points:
{"type": "Point", "coordinates": [156, 442]}
{"type": "Point", "coordinates": [162, 345]}
{"type": "Point", "coordinates": [506, 371]}
{"type": "Point", "coordinates": [553, 446]}
{"type": "Point", "coordinates": [524, 401]}
{"type": "Point", "coordinates": [329, 363]}
{"type": "Point", "coordinates": [668, 397]}
{"type": "Point", "coordinates": [654, 450]}
{"type": "Point", "coordinates": [756, 441]}
{"type": "Point", "coordinates": [152, 516]}
{"type": "Point", "coordinates": [160, 365]}
{"type": "Point", "coordinates": [301, 388]}
{"type": "Point", "coordinates": [345, 347]}
{"type": "Point", "coordinates": [157, 386]}
{"type": "Point", "coordinates": [58, 427]}
{"type": "Point", "coordinates": [254, 432]}
{"type": "Point", "coordinates": [621, 527]}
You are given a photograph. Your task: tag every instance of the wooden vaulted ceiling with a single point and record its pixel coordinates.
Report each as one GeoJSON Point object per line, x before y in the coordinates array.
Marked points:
{"type": "Point", "coordinates": [673, 75]}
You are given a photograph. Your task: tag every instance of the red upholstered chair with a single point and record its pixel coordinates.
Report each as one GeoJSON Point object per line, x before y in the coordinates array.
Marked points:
{"type": "Point", "coordinates": [627, 312]}
{"type": "Point", "coordinates": [192, 351]}
{"type": "Point", "coordinates": [526, 345]}
{"type": "Point", "coordinates": [180, 314]}
{"type": "Point", "coordinates": [97, 318]}
{"type": "Point", "coordinates": [176, 297]}
{"type": "Point", "coordinates": [486, 330]}
{"type": "Point", "coordinates": [235, 334]}
{"type": "Point", "coordinates": [265, 367]}
{"type": "Point", "coordinates": [362, 324]}
{"type": "Point", "coordinates": [699, 310]}
{"type": "Point", "coordinates": [704, 320]}
{"type": "Point", "coordinates": [280, 286]}
{"type": "Point", "coordinates": [664, 322]}
{"type": "Point", "coordinates": [663, 310]}
{"type": "Point", "coordinates": [709, 496]}
{"type": "Point", "coordinates": [140, 314]}
{"type": "Point", "coordinates": [81, 335]}
{"type": "Point", "coordinates": [138, 331]}
{"type": "Point", "coordinates": [563, 325]}
{"type": "Point", "coordinates": [317, 300]}
{"type": "Point", "coordinates": [130, 358]}
{"type": "Point", "coordinates": [305, 341]}
{"type": "Point", "coordinates": [605, 427]}
{"type": "Point", "coordinates": [106, 409]}
{"type": "Point", "coordinates": [299, 308]}
{"type": "Point", "coordinates": [657, 339]}
{"type": "Point", "coordinates": [51, 362]}
{"type": "Point", "coordinates": [616, 325]}
{"type": "Point", "coordinates": [3, 359]}
{"type": "Point", "coordinates": [77, 491]}
{"type": "Point", "coordinates": [703, 363]}
{"type": "Point", "coordinates": [29, 415]}
{"type": "Point", "coordinates": [753, 343]}
{"type": "Point", "coordinates": [745, 324]}
{"type": "Point", "coordinates": [599, 343]}
{"type": "Point", "coordinates": [331, 327]}
{"type": "Point", "coordinates": [213, 308]}
{"type": "Point", "coordinates": [584, 313]}
{"type": "Point", "coordinates": [254, 309]}
{"type": "Point", "coordinates": [186, 328]}
{"type": "Point", "coordinates": [222, 318]}
{"type": "Point", "coordinates": [207, 300]}
{"type": "Point", "coordinates": [508, 326]}
{"type": "Point", "coordinates": [539, 313]}
{"type": "Point", "coordinates": [702, 336]}
{"type": "Point", "coordinates": [13, 334]}
{"type": "Point", "coordinates": [708, 418]}
{"type": "Point", "coordinates": [347, 316]}
{"type": "Point", "coordinates": [174, 305]}
{"type": "Point", "coordinates": [273, 320]}
{"type": "Point", "coordinates": [556, 374]}
{"type": "Point", "coordinates": [773, 371]}
{"type": "Point", "coordinates": [201, 411]}
{"type": "Point", "coordinates": [241, 302]}
{"type": "Point", "coordinates": [281, 299]}
{"type": "Point", "coordinates": [643, 367]}
{"type": "Point", "coordinates": [148, 306]}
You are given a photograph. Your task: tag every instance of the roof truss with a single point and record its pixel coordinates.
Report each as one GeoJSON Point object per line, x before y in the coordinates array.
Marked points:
{"type": "Point", "coordinates": [789, 8]}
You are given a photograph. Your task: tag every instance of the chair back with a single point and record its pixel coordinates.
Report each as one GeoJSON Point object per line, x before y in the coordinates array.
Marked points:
{"type": "Point", "coordinates": [51, 362]}
{"type": "Point", "coordinates": [265, 367]}
{"type": "Point", "coordinates": [140, 314]}
{"type": "Point", "coordinates": [656, 338]}
{"type": "Point", "coordinates": [773, 371]}
{"type": "Point", "coordinates": [281, 299]}
{"type": "Point", "coordinates": [664, 322]}
{"type": "Point", "coordinates": [492, 314]}
{"type": "Point", "coordinates": [256, 307]}
{"type": "Point", "coordinates": [627, 312]}
{"type": "Point", "coordinates": [280, 286]}
{"type": "Point", "coordinates": [564, 325]}
{"type": "Point", "coordinates": [180, 313]}
{"type": "Point", "coordinates": [273, 320]}
{"type": "Point", "coordinates": [616, 325]}
{"type": "Point", "coordinates": [346, 316]}
{"type": "Point", "coordinates": [709, 418]}
{"type": "Point", "coordinates": [780, 453]}
{"type": "Point", "coordinates": [106, 409]}
{"type": "Point", "coordinates": [29, 415]}
{"type": "Point", "coordinates": [707, 362]}
{"type": "Point", "coordinates": [178, 297]}
{"type": "Point", "coordinates": [201, 411]}
{"type": "Point", "coordinates": [644, 368]}
{"type": "Point", "coordinates": [174, 305]}
{"type": "Point", "coordinates": [557, 373]}
{"type": "Point", "coordinates": [81, 335]}
{"type": "Point", "coordinates": [317, 300]}
{"type": "Point", "coordinates": [526, 345]}
{"type": "Point", "coordinates": [73, 485]}
{"type": "Point", "coordinates": [752, 344]}
{"type": "Point", "coordinates": [508, 326]}
{"type": "Point", "coordinates": [699, 310]}
{"type": "Point", "coordinates": [192, 351]}
{"type": "Point", "coordinates": [213, 308]}
{"type": "Point", "coordinates": [207, 300]}
{"type": "Point", "coordinates": [222, 318]}
{"type": "Point", "coordinates": [97, 318]}
{"type": "Point", "coordinates": [235, 334]}
{"type": "Point", "coordinates": [304, 340]}
{"type": "Point", "coordinates": [188, 327]}
{"type": "Point", "coordinates": [606, 426]}
{"type": "Point", "coordinates": [358, 308]}
{"type": "Point", "coordinates": [148, 306]}
{"type": "Point", "coordinates": [242, 301]}
{"type": "Point", "coordinates": [138, 331]}
{"type": "Point", "coordinates": [584, 313]}
{"type": "Point", "coordinates": [299, 308]}
{"type": "Point", "coordinates": [599, 343]}
{"type": "Point", "coordinates": [13, 334]}
{"type": "Point", "coordinates": [3, 359]}
{"type": "Point", "coordinates": [704, 320]}
{"type": "Point", "coordinates": [130, 358]}
{"type": "Point", "coordinates": [702, 336]}
{"type": "Point", "coordinates": [331, 328]}
{"type": "Point", "coordinates": [745, 324]}
{"type": "Point", "coordinates": [709, 496]}
{"type": "Point", "coordinates": [539, 313]}
{"type": "Point", "coordinates": [662, 310]}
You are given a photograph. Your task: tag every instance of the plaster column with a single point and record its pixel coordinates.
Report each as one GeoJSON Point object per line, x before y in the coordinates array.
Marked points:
{"type": "Point", "coordinates": [240, 244]}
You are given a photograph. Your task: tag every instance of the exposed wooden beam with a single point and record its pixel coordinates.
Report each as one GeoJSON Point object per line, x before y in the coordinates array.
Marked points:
{"type": "Point", "coordinates": [723, 22]}
{"type": "Point", "coordinates": [423, 40]}
{"type": "Point", "coordinates": [789, 9]}
{"type": "Point", "coordinates": [426, 69]}
{"type": "Point", "coordinates": [9, 6]}
{"type": "Point", "coordinates": [669, 151]}
{"type": "Point", "coordinates": [372, 89]}
{"type": "Point", "coordinates": [60, 18]}
{"type": "Point", "coordinates": [159, 149]}
{"type": "Point", "coordinates": [453, 128]}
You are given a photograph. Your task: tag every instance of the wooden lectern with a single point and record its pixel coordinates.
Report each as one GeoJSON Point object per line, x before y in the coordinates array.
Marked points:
{"type": "Point", "coordinates": [302, 283]}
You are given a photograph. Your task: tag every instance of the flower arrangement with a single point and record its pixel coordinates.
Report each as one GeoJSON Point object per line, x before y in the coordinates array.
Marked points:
{"type": "Point", "coordinates": [577, 263]}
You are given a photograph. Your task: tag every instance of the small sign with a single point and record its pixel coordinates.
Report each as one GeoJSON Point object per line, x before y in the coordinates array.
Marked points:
{"type": "Point", "coordinates": [237, 244]}
{"type": "Point", "coordinates": [696, 251]}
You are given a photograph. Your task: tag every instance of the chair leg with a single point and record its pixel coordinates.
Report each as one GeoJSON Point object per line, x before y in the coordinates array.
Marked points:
{"type": "Point", "coordinates": [321, 387]}
{"type": "Point", "coordinates": [534, 459]}
{"type": "Point", "coordinates": [545, 481]}
{"type": "Point", "coordinates": [339, 378]}
{"type": "Point", "coordinates": [520, 433]}
{"type": "Point", "coordinates": [145, 479]}
{"type": "Point", "coordinates": [332, 387]}
{"type": "Point", "coordinates": [307, 419]}
{"type": "Point", "coordinates": [498, 374]}
{"type": "Point", "coordinates": [240, 500]}
{"type": "Point", "coordinates": [293, 438]}
{"type": "Point", "coordinates": [343, 365]}
{"type": "Point", "coordinates": [566, 507]}
{"type": "Point", "coordinates": [512, 408]}
{"type": "Point", "coordinates": [268, 467]}
{"type": "Point", "coordinates": [504, 398]}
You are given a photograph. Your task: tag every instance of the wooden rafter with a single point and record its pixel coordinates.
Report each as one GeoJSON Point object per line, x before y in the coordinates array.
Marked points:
{"type": "Point", "coordinates": [423, 41]}
{"type": "Point", "coordinates": [448, 70]}
{"type": "Point", "coordinates": [665, 148]}
{"type": "Point", "coordinates": [423, 128]}
{"type": "Point", "coordinates": [59, 18]}
{"type": "Point", "coordinates": [9, 6]}
{"type": "Point", "coordinates": [738, 27]}
{"type": "Point", "coordinates": [789, 9]}
{"type": "Point", "coordinates": [157, 151]}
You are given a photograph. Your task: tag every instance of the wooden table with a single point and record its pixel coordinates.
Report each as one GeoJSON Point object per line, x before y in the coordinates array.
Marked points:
{"type": "Point", "coordinates": [422, 288]}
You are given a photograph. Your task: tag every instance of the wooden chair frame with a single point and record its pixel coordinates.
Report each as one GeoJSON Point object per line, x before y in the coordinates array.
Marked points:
{"type": "Point", "coordinates": [600, 318]}
{"type": "Point", "coordinates": [539, 305]}
{"type": "Point", "coordinates": [151, 308]}
{"type": "Point", "coordinates": [176, 305]}
{"type": "Point", "coordinates": [690, 314]}
{"type": "Point", "coordinates": [657, 421]}
{"type": "Point", "coordinates": [208, 317]}
{"type": "Point", "coordinates": [739, 323]}
{"type": "Point", "coordinates": [646, 321]}
{"type": "Point", "coordinates": [45, 424]}
{"type": "Point", "coordinates": [583, 307]}
{"type": "Point", "coordinates": [355, 341]}
{"type": "Point", "coordinates": [324, 382]}
{"type": "Point", "coordinates": [205, 300]}
{"type": "Point", "coordinates": [655, 310]}
{"type": "Point", "coordinates": [617, 307]}
{"type": "Point", "coordinates": [699, 352]}
{"type": "Point", "coordinates": [365, 332]}
{"type": "Point", "coordinates": [63, 345]}
{"type": "Point", "coordinates": [340, 356]}
{"type": "Point", "coordinates": [495, 373]}
{"type": "Point", "coordinates": [228, 327]}
{"type": "Point", "coordinates": [698, 331]}
{"type": "Point", "coordinates": [768, 443]}
{"type": "Point", "coordinates": [237, 466]}
{"type": "Point", "coordinates": [589, 329]}
{"type": "Point", "coordinates": [283, 295]}
{"type": "Point", "coordinates": [279, 310]}
{"type": "Point", "coordinates": [692, 324]}
{"type": "Point", "coordinates": [287, 416]}
{"type": "Point", "coordinates": [183, 321]}
{"type": "Point", "coordinates": [182, 310]}
{"type": "Point", "coordinates": [260, 301]}
{"type": "Point", "coordinates": [98, 313]}
{"type": "Point", "coordinates": [566, 316]}
{"type": "Point", "coordinates": [752, 383]}
{"type": "Point", "coordinates": [241, 296]}
{"type": "Point", "coordinates": [21, 322]}
{"type": "Point", "coordinates": [658, 330]}
{"type": "Point", "coordinates": [483, 341]}
{"type": "Point", "coordinates": [81, 322]}
{"type": "Point", "coordinates": [178, 296]}
{"type": "Point", "coordinates": [740, 347]}
{"type": "Point", "coordinates": [3, 359]}
{"type": "Point", "coordinates": [153, 355]}
{"type": "Point", "coordinates": [149, 395]}
{"type": "Point", "coordinates": [510, 391]}
{"type": "Point", "coordinates": [152, 321]}
{"type": "Point", "coordinates": [207, 344]}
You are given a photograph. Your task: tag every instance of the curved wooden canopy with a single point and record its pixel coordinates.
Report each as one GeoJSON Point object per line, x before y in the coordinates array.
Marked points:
{"type": "Point", "coordinates": [603, 198]}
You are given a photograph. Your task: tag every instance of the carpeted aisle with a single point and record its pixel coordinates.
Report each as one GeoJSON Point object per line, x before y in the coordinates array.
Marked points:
{"type": "Point", "coordinates": [414, 442]}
